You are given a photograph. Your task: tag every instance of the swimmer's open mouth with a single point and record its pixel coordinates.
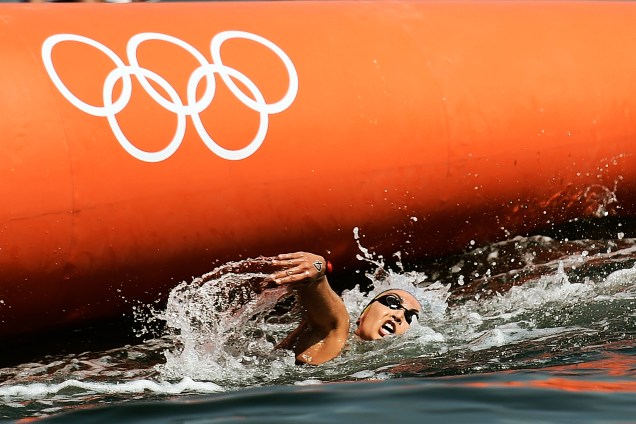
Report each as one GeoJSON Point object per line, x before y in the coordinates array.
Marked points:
{"type": "Point", "coordinates": [387, 328]}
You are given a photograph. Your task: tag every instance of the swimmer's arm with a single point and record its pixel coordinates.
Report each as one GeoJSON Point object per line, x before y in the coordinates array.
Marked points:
{"type": "Point", "coordinates": [327, 323]}
{"type": "Point", "coordinates": [325, 326]}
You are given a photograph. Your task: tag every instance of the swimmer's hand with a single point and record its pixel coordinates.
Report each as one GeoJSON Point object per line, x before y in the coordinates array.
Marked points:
{"type": "Point", "coordinates": [299, 267]}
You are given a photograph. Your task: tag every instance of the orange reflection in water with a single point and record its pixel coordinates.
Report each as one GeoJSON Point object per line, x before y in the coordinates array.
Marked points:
{"type": "Point", "coordinates": [567, 384]}
{"type": "Point", "coordinates": [613, 365]}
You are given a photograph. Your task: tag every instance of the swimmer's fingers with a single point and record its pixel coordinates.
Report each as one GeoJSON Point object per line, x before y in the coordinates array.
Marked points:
{"type": "Point", "coordinates": [282, 278]}
{"type": "Point", "coordinates": [288, 271]}
{"type": "Point", "coordinates": [296, 257]}
{"type": "Point", "coordinates": [299, 267]}
{"type": "Point", "coordinates": [288, 260]}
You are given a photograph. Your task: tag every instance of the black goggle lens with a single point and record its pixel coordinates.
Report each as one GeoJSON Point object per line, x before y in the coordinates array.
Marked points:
{"type": "Point", "coordinates": [393, 301]}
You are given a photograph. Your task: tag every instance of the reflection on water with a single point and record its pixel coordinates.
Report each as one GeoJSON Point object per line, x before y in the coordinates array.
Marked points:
{"type": "Point", "coordinates": [566, 308]}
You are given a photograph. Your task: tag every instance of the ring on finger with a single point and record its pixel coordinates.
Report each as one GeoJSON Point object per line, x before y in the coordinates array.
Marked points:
{"type": "Point", "coordinates": [289, 272]}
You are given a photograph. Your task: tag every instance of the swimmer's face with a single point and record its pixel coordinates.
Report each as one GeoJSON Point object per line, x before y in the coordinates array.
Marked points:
{"type": "Point", "coordinates": [389, 313]}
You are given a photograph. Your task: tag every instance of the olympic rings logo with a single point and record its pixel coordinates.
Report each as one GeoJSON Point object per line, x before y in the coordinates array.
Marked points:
{"type": "Point", "coordinates": [193, 106]}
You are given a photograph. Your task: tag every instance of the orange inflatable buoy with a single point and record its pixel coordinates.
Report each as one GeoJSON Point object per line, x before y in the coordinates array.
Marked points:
{"type": "Point", "coordinates": [144, 143]}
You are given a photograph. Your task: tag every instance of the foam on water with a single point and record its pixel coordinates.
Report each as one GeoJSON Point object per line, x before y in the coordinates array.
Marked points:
{"type": "Point", "coordinates": [36, 390]}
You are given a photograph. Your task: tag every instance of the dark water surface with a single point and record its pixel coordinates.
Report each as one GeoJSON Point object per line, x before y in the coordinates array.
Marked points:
{"type": "Point", "coordinates": [562, 395]}
{"type": "Point", "coordinates": [528, 330]}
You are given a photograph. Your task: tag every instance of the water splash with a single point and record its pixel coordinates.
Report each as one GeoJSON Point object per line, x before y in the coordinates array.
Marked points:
{"type": "Point", "coordinates": [231, 339]}
{"type": "Point", "coordinates": [218, 322]}
{"type": "Point", "coordinates": [538, 278]}
{"type": "Point", "coordinates": [515, 304]}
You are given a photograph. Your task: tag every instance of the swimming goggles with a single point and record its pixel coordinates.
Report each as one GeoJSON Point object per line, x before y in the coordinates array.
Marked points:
{"type": "Point", "coordinates": [394, 302]}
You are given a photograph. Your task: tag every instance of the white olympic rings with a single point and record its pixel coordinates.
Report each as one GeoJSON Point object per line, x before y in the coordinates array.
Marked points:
{"type": "Point", "coordinates": [193, 105]}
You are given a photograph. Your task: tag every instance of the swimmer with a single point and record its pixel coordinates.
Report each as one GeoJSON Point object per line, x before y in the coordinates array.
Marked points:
{"type": "Point", "coordinates": [324, 327]}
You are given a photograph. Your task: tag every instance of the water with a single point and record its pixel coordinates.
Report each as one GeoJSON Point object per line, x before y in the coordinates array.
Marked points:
{"type": "Point", "coordinates": [528, 330]}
